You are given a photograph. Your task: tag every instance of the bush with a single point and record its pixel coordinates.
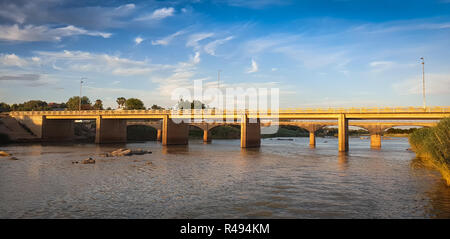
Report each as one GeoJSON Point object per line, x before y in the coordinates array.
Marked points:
{"type": "Point", "coordinates": [432, 145]}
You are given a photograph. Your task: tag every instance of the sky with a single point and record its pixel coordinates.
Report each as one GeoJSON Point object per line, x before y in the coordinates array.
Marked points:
{"type": "Point", "coordinates": [318, 53]}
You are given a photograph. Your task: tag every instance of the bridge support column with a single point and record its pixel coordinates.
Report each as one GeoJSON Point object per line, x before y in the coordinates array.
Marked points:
{"type": "Point", "coordinates": [250, 132]}
{"type": "Point", "coordinates": [110, 130]}
{"type": "Point", "coordinates": [158, 135]}
{"type": "Point", "coordinates": [174, 133]}
{"type": "Point", "coordinates": [206, 136]}
{"type": "Point", "coordinates": [343, 133]}
{"type": "Point", "coordinates": [34, 123]}
{"type": "Point", "coordinates": [375, 141]}
{"type": "Point", "coordinates": [59, 129]}
{"type": "Point", "coordinates": [312, 139]}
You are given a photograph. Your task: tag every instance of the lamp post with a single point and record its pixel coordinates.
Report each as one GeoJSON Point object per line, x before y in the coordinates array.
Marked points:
{"type": "Point", "coordinates": [423, 82]}
{"type": "Point", "coordinates": [81, 84]}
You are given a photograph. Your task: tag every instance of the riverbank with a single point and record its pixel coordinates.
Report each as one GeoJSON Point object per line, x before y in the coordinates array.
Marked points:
{"type": "Point", "coordinates": [432, 146]}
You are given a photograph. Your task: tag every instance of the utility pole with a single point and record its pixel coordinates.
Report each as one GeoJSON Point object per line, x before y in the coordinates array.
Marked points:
{"type": "Point", "coordinates": [81, 84]}
{"type": "Point", "coordinates": [423, 82]}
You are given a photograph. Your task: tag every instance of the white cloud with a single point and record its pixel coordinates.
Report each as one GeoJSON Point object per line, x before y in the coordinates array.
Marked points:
{"type": "Point", "coordinates": [381, 63]}
{"type": "Point", "coordinates": [31, 33]}
{"type": "Point", "coordinates": [194, 39]}
{"type": "Point", "coordinates": [253, 68]}
{"type": "Point", "coordinates": [435, 84]}
{"type": "Point", "coordinates": [166, 40]}
{"type": "Point", "coordinates": [210, 48]}
{"type": "Point", "coordinates": [257, 4]}
{"type": "Point", "coordinates": [158, 14]}
{"type": "Point", "coordinates": [12, 60]}
{"type": "Point", "coordinates": [138, 40]}
{"type": "Point", "coordinates": [196, 58]}
{"type": "Point", "coordinates": [79, 61]}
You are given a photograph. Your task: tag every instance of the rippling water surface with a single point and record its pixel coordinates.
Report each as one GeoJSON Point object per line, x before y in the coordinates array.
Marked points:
{"type": "Point", "coordinates": [282, 179]}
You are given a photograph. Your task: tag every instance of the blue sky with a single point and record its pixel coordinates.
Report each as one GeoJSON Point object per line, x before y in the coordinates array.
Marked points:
{"type": "Point", "coordinates": [341, 53]}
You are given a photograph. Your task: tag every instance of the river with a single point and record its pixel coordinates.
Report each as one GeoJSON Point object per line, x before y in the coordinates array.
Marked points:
{"type": "Point", "coordinates": [282, 179]}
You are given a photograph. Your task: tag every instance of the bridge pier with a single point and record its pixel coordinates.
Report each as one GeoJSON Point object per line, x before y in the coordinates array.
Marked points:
{"type": "Point", "coordinates": [206, 136]}
{"type": "Point", "coordinates": [174, 133]}
{"type": "Point", "coordinates": [375, 141]}
{"type": "Point", "coordinates": [250, 132]}
{"type": "Point", "coordinates": [58, 130]}
{"type": "Point", "coordinates": [343, 133]}
{"type": "Point", "coordinates": [159, 135]}
{"type": "Point", "coordinates": [110, 130]}
{"type": "Point", "coordinates": [312, 139]}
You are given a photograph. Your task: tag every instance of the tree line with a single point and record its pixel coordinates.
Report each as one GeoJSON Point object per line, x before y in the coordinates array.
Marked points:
{"type": "Point", "coordinates": [74, 104]}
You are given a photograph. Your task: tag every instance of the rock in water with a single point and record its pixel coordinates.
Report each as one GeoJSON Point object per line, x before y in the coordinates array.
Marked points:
{"type": "Point", "coordinates": [126, 152]}
{"type": "Point", "coordinates": [4, 154]}
{"type": "Point", "coordinates": [88, 161]}
{"type": "Point", "coordinates": [13, 158]}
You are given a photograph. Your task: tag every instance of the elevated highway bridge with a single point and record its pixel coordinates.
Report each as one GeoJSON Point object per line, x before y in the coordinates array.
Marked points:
{"type": "Point", "coordinates": [174, 124]}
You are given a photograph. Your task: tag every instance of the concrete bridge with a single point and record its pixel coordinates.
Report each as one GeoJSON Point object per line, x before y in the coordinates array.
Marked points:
{"type": "Point", "coordinates": [376, 129]}
{"type": "Point", "coordinates": [111, 124]}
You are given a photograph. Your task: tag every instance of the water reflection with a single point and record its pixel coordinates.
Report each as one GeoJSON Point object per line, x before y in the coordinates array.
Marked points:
{"type": "Point", "coordinates": [343, 160]}
{"type": "Point", "coordinates": [175, 149]}
{"type": "Point", "coordinates": [282, 179]}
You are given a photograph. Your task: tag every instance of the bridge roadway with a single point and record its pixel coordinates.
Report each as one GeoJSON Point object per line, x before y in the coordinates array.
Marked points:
{"type": "Point", "coordinates": [111, 124]}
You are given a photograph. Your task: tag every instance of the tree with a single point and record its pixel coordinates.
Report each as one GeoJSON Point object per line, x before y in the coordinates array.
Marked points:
{"type": "Point", "coordinates": [4, 107]}
{"type": "Point", "coordinates": [195, 104]}
{"type": "Point", "coordinates": [74, 102]}
{"type": "Point", "coordinates": [30, 105]}
{"type": "Point", "coordinates": [134, 104]}
{"type": "Point", "coordinates": [121, 102]}
{"type": "Point", "coordinates": [156, 107]}
{"type": "Point", "coordinates": [98, 105]}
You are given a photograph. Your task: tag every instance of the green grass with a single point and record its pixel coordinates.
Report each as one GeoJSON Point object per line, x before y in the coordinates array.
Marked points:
{"type": "Point", "coordinates": [432, 146]}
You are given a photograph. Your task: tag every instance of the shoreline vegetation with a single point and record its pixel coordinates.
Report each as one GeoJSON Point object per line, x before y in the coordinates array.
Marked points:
{"type": "Point", "coordinates": [432, 147]}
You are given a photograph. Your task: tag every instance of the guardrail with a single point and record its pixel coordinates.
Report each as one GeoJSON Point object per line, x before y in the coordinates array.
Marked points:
{"type": "Point", "coordinates": [436, 109]}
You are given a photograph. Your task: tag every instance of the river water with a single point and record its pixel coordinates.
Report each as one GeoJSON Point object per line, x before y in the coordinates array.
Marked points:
{"type": "Point", "coordinates": [282, 179]}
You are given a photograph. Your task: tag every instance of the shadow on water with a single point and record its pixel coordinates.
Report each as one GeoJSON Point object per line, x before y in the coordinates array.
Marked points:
{"type": "Point", "coordinates": [175, 149]}
{"type": "Point", "coordinates": [437, 194]}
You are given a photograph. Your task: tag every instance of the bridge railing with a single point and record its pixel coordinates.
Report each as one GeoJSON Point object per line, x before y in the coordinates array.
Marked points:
{"type": "Point", "coordinates": [434, 109]}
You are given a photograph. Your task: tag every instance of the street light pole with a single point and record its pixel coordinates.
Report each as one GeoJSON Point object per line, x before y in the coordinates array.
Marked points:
{"type": "Point", "coordinates": [81, 84]}
{"type": "Point", "coordinates": [423, 82]}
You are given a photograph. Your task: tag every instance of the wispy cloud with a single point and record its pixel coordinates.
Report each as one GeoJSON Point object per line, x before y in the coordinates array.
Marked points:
{"type": "Point", "coordinates": [12, 60]}
{"type": "Point", "coordinates": [254, 68]}
{"type": "Point", "coordinates": [79, 61]}
{"type": "Point", "coordinates": [138, 40]}
{"type": "Point", "coordinates": [158, 14]}
{"type": "Point", "coordinates": [31, 80]}
{"type": "Point", "coordinates": [166, 40]}
{"type": "Point", "coordinates": [194, 39]}
{"type": "Point", "coordinates": [211, 47]}
{"type": "Point", "coordinates": [31, 33]}
{"type": "Point", "coordinates": [435, 84]}
{"type": "Point", "coordinates": [256, 4]}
